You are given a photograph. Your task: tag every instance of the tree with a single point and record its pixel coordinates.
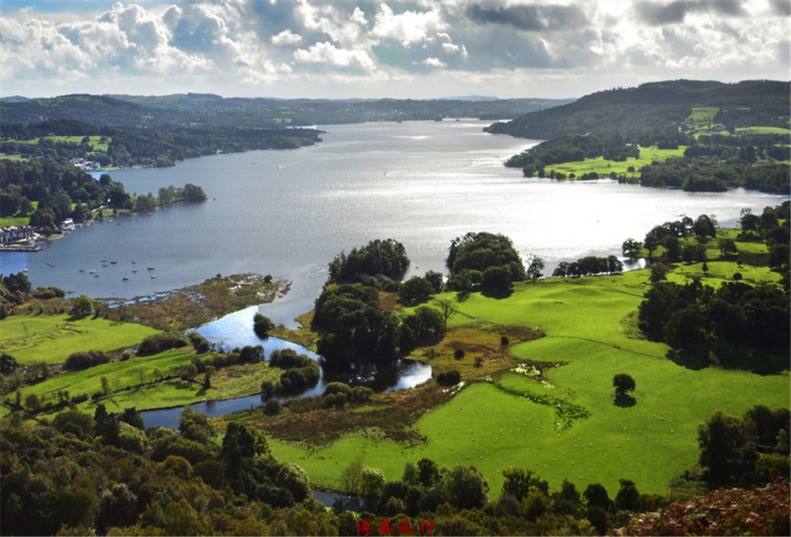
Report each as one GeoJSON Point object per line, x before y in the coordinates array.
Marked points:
{"type": "Point", "coordinates": [631, 248]}
{"type": "Point", "coordinates": [445, 308]}
{"type": "Point", "coordinates": [658, 272]}
{"type": "Point", "coordinates": [372, 482]}
{"type": "Point", "coordinates": [466, 487]}
{"type": "Point", "coordinates": [519, 482]}
{"type": "Point", "coordinates": [435, 279]}
{"type": "Point", "coordinates": [105, 385]}
{"type": "Point", "coordinates": [386, 258]}
{"type": "Point", "coordinates": [628, 497]}
{"type": "Point", "coordinates": [704, 227]}
{"type": "Point", "coordinates": [623, 384]}
{"type": "Point", "coordinates": [725, 453]}
{"type": "Point", "coordinates": [497, 282]}
{"type": "Point", "coordinates": [415, 290]}
{"type": "Point", "coordinates": [7, 364]}
{"type": "Point", "coordinates": [81, 307]}
{"type": "Point", "coordinates": [535, 268]}
{"type": "Point", "coordinates": [262, 325]}
{"type": "Point", "coordinates": [480, 251]}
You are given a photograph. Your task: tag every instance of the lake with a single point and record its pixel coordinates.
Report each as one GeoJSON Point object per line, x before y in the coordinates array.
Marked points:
{"type": "Point", "coordinates": [287, 213]}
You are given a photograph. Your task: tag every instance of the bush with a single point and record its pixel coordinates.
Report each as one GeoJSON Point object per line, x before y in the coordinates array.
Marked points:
{"type": "Point", "coordinates": [199, 343]}
{"type": "Point", "coordinates": [479, 361]}
{"type": "Point", "coordinates": [272, 407]}
{"type": "Point", "coordinates": [159, 343]}
{"type": "Point", "coordinates": [361, 394]}
{"type": "Point", "coordinates": [504, 341]}
{"type": "Point", "coordinates": [47, 293]}
{"type": "Point", "coordinates": [337, 387]}
{"type": "Point", "coordinates": [289, 359]}
{"type": "Point", "coordinates": [299, 379]}
{"type": "Point", "coordinates": [449, 378]}
{"type": "Point", "coordinates": [262, 325]}
{"type": "Point", "coordinates": [458, 354]}
{"type": "Point", "coordinates": [415, 290]}
{"type": "Point", "coordinates": [83, 360]}
{"type": "Point", "coordinates": [336, 400]}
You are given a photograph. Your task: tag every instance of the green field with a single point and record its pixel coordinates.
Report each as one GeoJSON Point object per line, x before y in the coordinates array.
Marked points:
{"type": "Point", "coordinates": [94, 140]}
{"type": "Point", "coordinates": [605, 167]}
{"type": "Point", "coordinates": [51, 338]}
{"type": "Point", "coordinates": [8, 221]}
{"type": "Point", "coordinates": [590, 329]}
{"type": "Point", "coordinates": [702, 114]}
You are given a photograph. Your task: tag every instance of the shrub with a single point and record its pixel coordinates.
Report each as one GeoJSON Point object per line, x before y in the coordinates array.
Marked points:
{"type": "Point", "coordinates": [289, 359]}
{"type": "Point", "coordinates": [199, 343]}
{"type": "Point", "coordinates": [504, 341]}
{"type": "Point", "coordinates": [159, 343]}
{"type": "Point", "coordinates": [479, 361]}
{"type": "Point", "coordinates": [337, 387]}
{"type": "Point", "coordinates": [458, 354]}
{"type": "Point", "coordinates": [337, 400]}
{"type": "Point", "coordinates": [83, 360]}
{"type": "Point", "coordinates": [449, 378]}
{"type": "Point", "coordinates": [415, 290]}
{"type": "Point", "coordinates": [299, 379]}
{"type": "Point", "coordinates": [47, 293]}
{"type": "Point", "coordinates": [272, 407]}
{"type": "Point", "coordinates": [361, 394]}
{"type": "Point", "coordinates": [262, 325]}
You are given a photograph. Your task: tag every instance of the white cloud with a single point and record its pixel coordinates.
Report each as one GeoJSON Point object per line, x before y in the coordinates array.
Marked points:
{"type": "Point", "coordinates": [287, 42]}
{"type": "Point", "coordinates": [286, 37]}
{"type": "Point", "coordinates": [407, 27]}
{"type": "Point", "coordinates": [328, 54]}
{"type": "Point", "coordinates": [433, 62]}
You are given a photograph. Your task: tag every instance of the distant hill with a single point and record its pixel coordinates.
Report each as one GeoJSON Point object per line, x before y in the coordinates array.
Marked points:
{"type": "Point", "coordinates": [13, 99]}
{"type": "Point", "coordinates": [207, 110]}
{"type": "Point", "coordinates": [656, 107]}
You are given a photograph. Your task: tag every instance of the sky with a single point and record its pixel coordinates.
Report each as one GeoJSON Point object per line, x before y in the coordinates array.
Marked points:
{"type": "Point", "coordinates": [367, 49]}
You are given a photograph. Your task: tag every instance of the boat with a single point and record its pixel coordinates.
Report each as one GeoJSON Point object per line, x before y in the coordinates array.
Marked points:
{"type": "Point", "coordinates": [124, 279]}
{"type": "Point", "coordinates": [134, 271]}
{"type": "Point", "coordinates": [150, 268]}
{"type": "Point", "coordinates": [92, 271]}
{"type": "Point", "coordinates": [82, 270]}
{"type": "Point", "coordinates": [153, 276]}
{"type": "Point", "coordinates": [113, 262]}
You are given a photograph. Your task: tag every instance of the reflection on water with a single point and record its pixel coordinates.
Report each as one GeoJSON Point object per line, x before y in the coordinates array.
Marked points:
{"type": "Point", "coordinates": [236, 330]}
{"type": "Point", "coordinates": [287, 213]}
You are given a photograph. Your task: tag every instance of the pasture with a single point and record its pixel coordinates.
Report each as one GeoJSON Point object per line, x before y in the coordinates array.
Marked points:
{"type": "Point", "coordinates": [52, 338]}
{"type": "Point", "coordinates": [518, 420]}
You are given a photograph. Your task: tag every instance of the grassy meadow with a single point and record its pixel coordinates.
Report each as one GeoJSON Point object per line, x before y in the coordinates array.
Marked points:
{"type": "Point", "coordinates": [52, 338]}
{"type": "Point", "coordinates": [602, 166]}
{"type": "Point", "coordinates": [519, 420]}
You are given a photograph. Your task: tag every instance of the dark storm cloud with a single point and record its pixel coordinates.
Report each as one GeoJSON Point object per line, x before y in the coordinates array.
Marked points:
{"type": "Point", "coordinates": [538, 18]}
{"type": "Point", "coordinates": [657, 13]}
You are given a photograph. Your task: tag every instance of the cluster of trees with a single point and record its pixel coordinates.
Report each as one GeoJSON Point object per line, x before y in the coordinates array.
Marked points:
{"type": "Point", "coordinates": [355, 332]}
{"type": "Point", "coordinates": [704, 174]}
{"type": "Point", "coordinates": [772, 227]}
{"type": "Point", "coordinates": [97, 474]}
{"type": "Point", "coordinates": [741, 147]}
{"type": "Point", "coordinates": [381, 263]}
{"type": "Point", "coordinates": [669, 235]}
{"type": "Point", "coordinates": [130, 146]}
{"type": "Point", "coordinates": [60, 191]}
{"type": "Point", "coordinates": [571, 148]}
{"type": "Point", "coordinates": [218, 360]}
{"type": "Point", "coordinates": [300, 372]}
{"type": "Point", "coordinates": [455, 500]}
{"type": "Point", "coordinates": [737, 325]}
{"type": "Point", "coordinates": [485, 261]}
{"type": "Point", "coordinates": [587, 266]}
{"type": "Point", "coordinates": [160, 343]}
{"type": "Point", "coordinates": [14, 289]}
{"type": "Point", "coordinates": [83, 360]}
{"type": "Point", "coordinates": [746, 451]}
{"type": "Point", "coordinates": [167, 196]}
{"type": "Point", "coordinates": [338, 394]}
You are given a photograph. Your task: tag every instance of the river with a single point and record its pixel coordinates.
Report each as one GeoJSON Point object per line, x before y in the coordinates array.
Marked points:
{"type": "Point", "coordinates": [286, 213]}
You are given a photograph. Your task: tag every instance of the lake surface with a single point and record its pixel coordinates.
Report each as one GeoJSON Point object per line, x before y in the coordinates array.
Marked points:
{"type": "Point", "coordinates": [235, 330]}
{"type": "Point", "coordinates": [287, 213]}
